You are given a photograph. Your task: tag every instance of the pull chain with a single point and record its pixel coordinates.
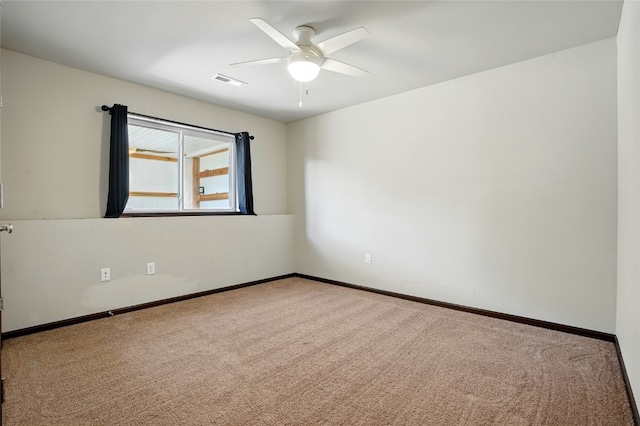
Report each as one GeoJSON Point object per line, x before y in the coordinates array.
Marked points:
{"type": "Point", "coordinates": [306, 91]}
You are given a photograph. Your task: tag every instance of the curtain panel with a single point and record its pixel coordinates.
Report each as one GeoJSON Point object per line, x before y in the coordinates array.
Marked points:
{"type": "Point", "coordinates": [243, 165]}
{"type": "Point", "coordinates": [118, 162]}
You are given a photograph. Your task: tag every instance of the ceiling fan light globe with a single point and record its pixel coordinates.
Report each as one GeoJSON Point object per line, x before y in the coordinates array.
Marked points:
{"type": "Point", "coordinates": [303, 68]}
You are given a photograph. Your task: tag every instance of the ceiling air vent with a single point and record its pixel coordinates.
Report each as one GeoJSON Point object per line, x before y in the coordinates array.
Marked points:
{"type": "Point", "coordinates": [228, 80]}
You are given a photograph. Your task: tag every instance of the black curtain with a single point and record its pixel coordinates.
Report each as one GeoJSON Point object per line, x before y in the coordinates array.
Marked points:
{"type": "Point", "coordinates": [118, 162]}
{"type": "Point", "coordinates": [243, 168]}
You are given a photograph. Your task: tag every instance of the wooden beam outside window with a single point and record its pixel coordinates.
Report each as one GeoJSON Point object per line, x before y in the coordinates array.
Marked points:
{"type": "Point", "coordinates": [215, 152]}
{"type": "Point", "coordinates": [152, 194]}
{"type": "Point", "coordinates": [196, 181]}
{"type": "Point", "coordinates": [214, 172]}
{"type": "Point", "coordinates": [216, 196]}
{"type": "Point", "coordinates": [152, 157]}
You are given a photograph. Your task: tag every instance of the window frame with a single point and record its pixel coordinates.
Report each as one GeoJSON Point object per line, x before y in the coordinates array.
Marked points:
{"type": "Point", "coordinates": [184, 129]}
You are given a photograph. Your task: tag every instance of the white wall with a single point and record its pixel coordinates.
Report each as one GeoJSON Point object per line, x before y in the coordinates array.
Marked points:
{"type": "Point", "coordinates": [496, 190]}
{"type": "Point", "coordinates": [50, 268]}
{"type": "Point", "coordinates": [628, 309]}
{"type": "Point", "coordinates": [55, 171]}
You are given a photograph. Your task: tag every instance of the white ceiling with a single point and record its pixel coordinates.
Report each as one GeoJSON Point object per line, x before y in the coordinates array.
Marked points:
{"type": "Point", "coordinates": [178, 46]}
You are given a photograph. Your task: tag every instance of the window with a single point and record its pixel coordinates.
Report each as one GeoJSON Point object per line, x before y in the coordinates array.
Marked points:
{"type": "Point", "coordinates": [179, 168]}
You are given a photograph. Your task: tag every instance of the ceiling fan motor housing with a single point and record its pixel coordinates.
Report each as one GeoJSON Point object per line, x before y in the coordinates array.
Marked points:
{"type": "Point", "coordinates": [305, 65]}
{"type": "Point", "coordinates": [303, 35]}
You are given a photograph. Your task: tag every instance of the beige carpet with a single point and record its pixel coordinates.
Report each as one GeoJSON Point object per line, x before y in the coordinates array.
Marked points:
{"type": "Point", "coordinates": [298, 352]}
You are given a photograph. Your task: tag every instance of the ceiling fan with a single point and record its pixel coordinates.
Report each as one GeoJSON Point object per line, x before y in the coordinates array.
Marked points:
{"type": "Point", "coordinates": [305, 58]}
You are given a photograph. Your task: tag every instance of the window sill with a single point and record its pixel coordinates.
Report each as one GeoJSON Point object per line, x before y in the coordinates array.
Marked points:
{"type": "Point", "coordinates": [179, 214]}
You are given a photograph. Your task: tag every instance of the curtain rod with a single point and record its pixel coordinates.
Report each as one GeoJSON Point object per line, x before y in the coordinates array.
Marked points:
{"type": "Point", "coordinates": [106, 108]}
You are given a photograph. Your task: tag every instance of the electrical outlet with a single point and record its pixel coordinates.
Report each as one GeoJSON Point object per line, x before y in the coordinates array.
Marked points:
{"type": "Point", "coordinates": [151, 268]}
{"type": "Point", "coordinates": [105, 274]}
{"type": "Point", "coordinates": [367, 258]}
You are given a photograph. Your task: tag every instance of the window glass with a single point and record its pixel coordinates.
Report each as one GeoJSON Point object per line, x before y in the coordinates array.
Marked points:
{"type": "Point", "coordinates": [177, 168]}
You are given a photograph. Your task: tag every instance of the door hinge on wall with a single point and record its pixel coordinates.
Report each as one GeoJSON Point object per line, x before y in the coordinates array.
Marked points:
{"type": "Point", "coordinates": [1, 304]}
{"type": "Point", "coordinates": [0, 101]}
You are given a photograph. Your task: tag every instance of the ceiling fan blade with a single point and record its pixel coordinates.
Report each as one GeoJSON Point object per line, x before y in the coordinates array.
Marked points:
{"type": "Point", "coordinates": [276, 35]}
{"type": "Point", "coordinates": [343, 40]}
{"type": "Point", "coordinates": [341, 67]}
{"type": "Point", "coordinates": [260, 62]}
